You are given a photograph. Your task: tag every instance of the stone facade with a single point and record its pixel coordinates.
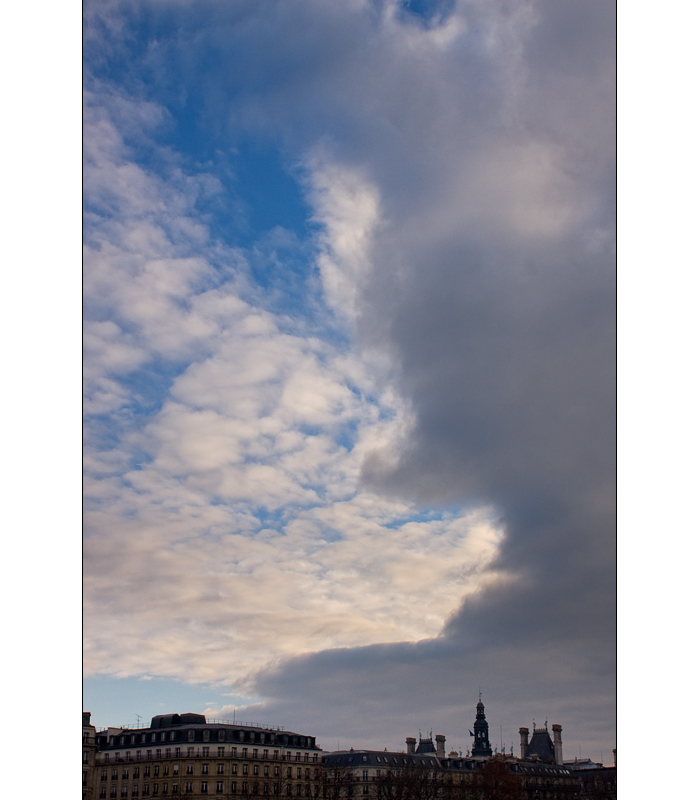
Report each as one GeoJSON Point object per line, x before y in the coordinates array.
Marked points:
{"type": "Point", "coordinates": [188, 755]}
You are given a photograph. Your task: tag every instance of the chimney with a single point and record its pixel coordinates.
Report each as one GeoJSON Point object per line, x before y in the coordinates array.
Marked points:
{"type": "Point", "coordinates": [440, 745]}
{"type": "Point", "coordinates": [556, 736]}
{"type": "Point", "coordinates": [523, 740]}
{"type": "Point", "coordinates": [410, 744]}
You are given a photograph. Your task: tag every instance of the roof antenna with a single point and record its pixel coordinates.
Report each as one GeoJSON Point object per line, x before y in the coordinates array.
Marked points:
{"type": "Point", "coordinates": [138, 720]}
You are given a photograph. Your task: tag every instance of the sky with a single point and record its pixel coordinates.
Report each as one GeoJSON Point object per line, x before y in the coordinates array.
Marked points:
{"type": "Point", "coordinates": [349, 297]}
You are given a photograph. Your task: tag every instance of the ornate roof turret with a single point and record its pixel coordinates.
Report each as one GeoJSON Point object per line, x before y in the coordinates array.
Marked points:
{"type": "Point", "coordinates": [482, 746]}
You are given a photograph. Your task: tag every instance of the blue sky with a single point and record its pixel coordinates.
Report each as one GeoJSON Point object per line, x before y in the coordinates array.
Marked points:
{"type": "Point", "coordinates": [349, 326]}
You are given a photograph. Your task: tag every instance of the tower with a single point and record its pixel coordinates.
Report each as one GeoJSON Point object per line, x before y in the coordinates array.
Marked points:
{"type": "Point", "coordinates": [556, 735]}
{"type": "Point", "coordinates": [482, 747]}
{"type": "Point", "coordinates": [524, 735]}
{"type": "Point", "coordinates": [440, 745]}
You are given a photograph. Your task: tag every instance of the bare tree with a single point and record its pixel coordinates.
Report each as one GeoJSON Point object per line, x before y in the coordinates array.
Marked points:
{"type": "Point", "coordinates": [495, 781]}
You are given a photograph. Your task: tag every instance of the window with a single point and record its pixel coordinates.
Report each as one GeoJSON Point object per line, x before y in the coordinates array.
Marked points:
{"type": "Point", "coordinates": [167, 752]}
{"type": "Point", "coordinates": [244, 788]}
{"type": "Point", "coordinates": [306, 756]}
{"type": "Point", "coordinates": [137, 772]}
{"type": "Point", "coordinates": [297, 756]}
{"type": "Point", "coordinates": [255, 752]}
{"type": "Point", "coordinates": [188, 787]}
{"type": "Point", "coordinates": [125, 774]}
{"type": "Point", "coordinates": [234, 769]}
{"type": "Point", "coordinates": [219, 769]}
{"type": "Point", "coordinates": [277, 772]}
{"type": "Point", "coordinates": [205, 752]}
{"type": "Point", "coordinates": [147, 771]}
{"type": "Point", "coordinates": [189, 769]}
{"type": "Point", "coordinates": [103, 792]}
{"type": "Point", "coordinates": [233, 787]}
{"type": "Point", "coordinates": [103, 775]}
{"type": "Point", "coordinates": [205, 736]}
{"type": "Point", "coordinates": [265, 752]}
{"type": "Point", "coordinates": [156, 770]}
{"type": "Point", "coordinates": [125, 791]}
{"type": "Point", "coordinates": [204, 788]}
{"type": "Point", "coordinates": [190, 752]}
{"type": "Point", "coordinates": [307, 790]}
{"type": "Point", "coordinates": [162, 736]}
{"type": "Point", "coordinates": [244, 752]}
{"type": "Point", "coordinates": [222, 735]}
{"type": "Point", "coordinates": [256, 769]}
{"type": "Point", "coordinates": [115, 775]}
{"type": "Point", "coordinates": [149, 754]}
{"type": "Point", "coordinates": [165, 788]}
{"type": "Point", "coordinates": [177, 752]}
{"type": "Point", "coordinates": [233, 751]}
{"type": "Point", "coordinates": [245, 769]}
{"type": "Point", "coordinates": [175, 788]}
{"type": "Point", "coordinates": [220, 751]}
{"type": "Point", "coordinates": [138, 755]}
{"type": "Point", "coordinates": [172, 736]}
{"type": "Point", "coordinates": [276, 754]}
{"type": "Point", "coordinates": [166, 769]}
{"type": "Point", "coordinates": [113, 791]}
{"type": "Point", "coordinates": [289, 789]}
{"type": "Point", "coordinates": [158, 753]}
{"type": "Point", "coordinates": [190, 738]}
{"type": "Point", "coordinates": [105, 758]}
{"type": "Point", "coordinates": [219, 787]}
{"type": "Point", "coordinates": [298, 790]}
{"type": "Point", "coordinates": [307, 773]}
{"type": "Point", "coordinates": [155, 789]}
{"type": "Point", "coordinates": [289, 772]}
{"type": "Point", "coordinates": [205, 769]}
{"type": "Point", "coordinates": [135, 790]}
{"type": "Point", "coordinates": [298, 772]}
{"type": "Point", "coordinates": [266, 788]}
{"type": "Point", "coordinates": [365, 790]}
{"type": "Point", "coordinates": [266, 770]}
{"type": "Point", "coordinates": [176, 769]}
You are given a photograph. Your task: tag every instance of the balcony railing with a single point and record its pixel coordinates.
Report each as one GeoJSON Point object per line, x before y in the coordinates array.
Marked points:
{"type": "Point", "coordinates": [171, 754]}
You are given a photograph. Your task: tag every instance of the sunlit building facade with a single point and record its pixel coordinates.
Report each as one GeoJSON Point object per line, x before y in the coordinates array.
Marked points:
{"type": "Point", "coordinates": [184, 754]}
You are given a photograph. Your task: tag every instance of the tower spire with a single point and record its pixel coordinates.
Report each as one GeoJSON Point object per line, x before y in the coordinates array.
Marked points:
{"type": "Point", "coordinates": [482, 746]}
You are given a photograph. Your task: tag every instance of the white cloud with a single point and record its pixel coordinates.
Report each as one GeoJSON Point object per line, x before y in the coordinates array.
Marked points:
{"type": "Point", "coordinates": [226, 527]}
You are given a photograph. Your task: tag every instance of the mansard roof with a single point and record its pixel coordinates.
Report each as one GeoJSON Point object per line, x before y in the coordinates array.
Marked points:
{"type": "Point", "coordinates": [541, 745]}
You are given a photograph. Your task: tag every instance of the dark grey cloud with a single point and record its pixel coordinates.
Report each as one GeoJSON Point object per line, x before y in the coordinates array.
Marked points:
{"type": "Point", "coordinates": [493, 289]}
{"type": "Point", "coordinates": [504, 343]}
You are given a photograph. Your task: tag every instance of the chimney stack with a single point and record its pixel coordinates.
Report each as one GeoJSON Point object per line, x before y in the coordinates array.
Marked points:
{"type": "Point", "coordinates": [410, 744]}
{"type": "Point", "coordinates": [524, 732]}
{"type": "Point", "coordinates": [556, 736]}
{"type": "Point", "coordinates": [440, 745]}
